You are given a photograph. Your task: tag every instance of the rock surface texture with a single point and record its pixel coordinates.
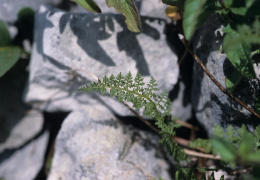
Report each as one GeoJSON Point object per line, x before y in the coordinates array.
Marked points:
{"type": "Point", "coordinates": [22, 139]}
{"type": "Point", "coordinates": [213, 107]}
{"type": "Point", "coordinates": [93, 145]}
{"type": "Point", "coordinates": [9, 9]}
{"type": "Point", "coordinates": [69, 48]}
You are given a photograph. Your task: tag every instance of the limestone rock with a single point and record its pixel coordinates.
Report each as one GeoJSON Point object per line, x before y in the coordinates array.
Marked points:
{"type": "Point", "coordinates": [28, 127]}
{"type": "Point", "coordinates": [24, 163]}
{"type": "Point", "coordinates": [10, 9]}
{"type": "Point", "coordinates": [69, 47]}
{"type": "Point", "coordinates": [94, 145]}
{"type": "Point", "coordinates": [213, 107]}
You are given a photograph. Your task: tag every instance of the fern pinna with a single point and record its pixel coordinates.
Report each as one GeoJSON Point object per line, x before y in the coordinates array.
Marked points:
{"type": "Point", "coordinates": [156, 106]}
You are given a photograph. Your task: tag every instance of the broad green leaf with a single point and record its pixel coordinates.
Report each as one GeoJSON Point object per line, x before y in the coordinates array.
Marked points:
{"type": "Point", "coordinates": [179, 3]}
{"type": "Point", "coordinates": [89, 5]}
{"type": "Point", "coordinates": [239, 11]}
{"type": "Point", "coordinates": [249, 3]}
{"type": "Point", "coordinates": [246, 8]}
{"type": "Point", "coordinates": [129, 10]}
{"type": "Point", "coordinates": [228, 3]}
{"type": "Point", "coordinates": [8, 57]}
{"type": "Point", "coordinates": [192, 10]}
{"type": "Point", "coordinates": [253, 8]}
{"type": "Point", "coordinates": [195, 14]}
{"type": "Point", "coordinates": [224, 149]}
{"type": "Point", "coordinates": [239, 54]}
{"type": "Point", "coordinates": [233, 80]}
{"type": "Point", "coordinates": [253, 157]}
{"type": "Point", "coordinates": [5, 39]}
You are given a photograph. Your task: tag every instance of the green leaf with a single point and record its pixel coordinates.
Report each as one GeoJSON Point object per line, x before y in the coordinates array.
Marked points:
{"type": "Point", "coordinates": [228, 3]}
{"type": "Point", "coordinates": [179, 3]}
{"type": "Point", "coordinates": [129, 10]}
{"type": "Point", "coordinates": [246, 145]}
{"type": "Point", "coordinates": [192, 10]}
{"type": "Point", "coordinates": [212, 177]}
{"type": "Point", "coordinates": [233, 80]}
{"type": "Point", "coordinates": [201, 143]}
{"type": "Point", "coordinates": [218, 131]}
{"type": "Point", "coordinates": [239, 54]}
{"type": "Point", "coordinates": [89, 5]}
{"type": "Point", "coordinates": [5, 39]}
{"type": "Point", "coordinates": [253, 8]}
{"type": "Point", "coordinates": [253, 157]}
{"type": "Point", "coordinates": [224, 149]}
{"type": "Point", "coordinates": [242, 131]}
{"type": "Point", "coordinates": [8, 57]}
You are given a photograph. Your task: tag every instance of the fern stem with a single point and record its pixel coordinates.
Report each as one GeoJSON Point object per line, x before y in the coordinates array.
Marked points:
{"type": "Point", "coordinates": [141, 118]}
{"type": "Point", "coordinates": [133, 92]}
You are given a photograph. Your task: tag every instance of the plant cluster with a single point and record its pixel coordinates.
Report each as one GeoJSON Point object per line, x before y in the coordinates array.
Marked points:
{"type": "Point", "coordinates": [12, 50]}
{"type": "Point", "coordinates": [238, 149]}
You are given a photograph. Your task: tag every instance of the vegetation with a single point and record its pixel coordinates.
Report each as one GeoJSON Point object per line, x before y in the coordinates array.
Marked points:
{"type": "Point", "coordinates": [11, 50]}
{"type": "Point", "coordinates": [238, 149]}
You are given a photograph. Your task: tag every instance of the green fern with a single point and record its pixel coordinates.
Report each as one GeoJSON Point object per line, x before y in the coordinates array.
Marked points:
{"type": "Point", "coordinates": [156, 106]}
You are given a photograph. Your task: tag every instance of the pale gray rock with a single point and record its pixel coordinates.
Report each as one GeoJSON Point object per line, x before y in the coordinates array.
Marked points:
{"type": "Point", "coordinates": [93, 145]}
{"type": "Point", "coordinates": [211, 105]}
{"type": "Point", "coordinates": [9, 9]}
{"type": "Point", "coordinates": [153, 8]}
{"type": "Point", "coordinates": [68, 48]}
{"type": "Point", "coordinates": [25, 129]}
{"type": "Point", "coordinates": [25, 162]}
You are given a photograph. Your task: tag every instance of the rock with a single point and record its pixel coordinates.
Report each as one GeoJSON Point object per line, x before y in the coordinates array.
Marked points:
{"type": "Point", "coordinates": [153, 8]}
{"type": "Point", "coordinates": [23, 131]}
{"type": "Point", "coordinates": [10, 9]}
{"type": "Point", "coordinates": [22, 140]}
{"type": "Point", "coordinates": [69, 47]}
{"type": "Point", "coordinates": [93, 144]}
{"type": "Point", "coordinates": [212, 106]}
{"type": "Point", "coordinates": [25, 162]}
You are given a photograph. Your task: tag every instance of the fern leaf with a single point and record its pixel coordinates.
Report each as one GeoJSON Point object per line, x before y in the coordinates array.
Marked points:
{"type": "Point", "coordinates": [156, 106]}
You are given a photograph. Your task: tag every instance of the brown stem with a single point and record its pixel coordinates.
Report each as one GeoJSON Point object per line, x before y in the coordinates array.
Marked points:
{"type": "Point", "coordinates": [198, 154]}
{"type": "Point", "coordinates": [224, 90]}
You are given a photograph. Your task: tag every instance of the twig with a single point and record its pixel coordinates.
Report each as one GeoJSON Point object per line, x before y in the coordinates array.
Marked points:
{"type": "Point", "coordinates": [224, 90]}
{"type": "Point", "coordinates": [198, 154]}
{"type": "Point", "coordinates": [187, 125]}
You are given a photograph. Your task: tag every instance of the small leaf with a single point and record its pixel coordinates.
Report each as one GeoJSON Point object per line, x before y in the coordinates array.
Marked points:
{"type": "Point", "coordinates": [224, 149]}
{"type": "Point", "coordinates": [192, 10]}
{"type": "Point", "coordinates": [218, 131]}
{"type": "Point", "coordinates": [212, 177]}
{"type": "Point", "coordinates": [89, 5]}
{"type": "Point", "coordinates": [5, 39]}
{"type": "Point", "coordinates": [8, 57]}
{"type": "Point", "coordinates": [246, 145]}
{"type": "Point", "coordinates": [242, 131]}
{"type": "Point", "coordinates": [129, 10]}
{"type": "Point", "coordinates": [239, 54]}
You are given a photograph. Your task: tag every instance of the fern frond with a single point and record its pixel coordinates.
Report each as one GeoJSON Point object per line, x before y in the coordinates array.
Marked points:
{"type": "Point", "coordinates": [156, 106]}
